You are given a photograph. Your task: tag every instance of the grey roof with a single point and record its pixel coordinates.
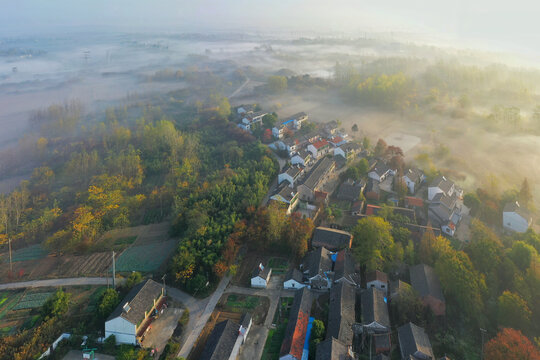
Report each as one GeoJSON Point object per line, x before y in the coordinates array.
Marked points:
{"type": "Point", "coordinates": [341, 313]}
{"type": "Point", "coordinates": [376, 275]}
{"type": "Point", "coordinates": [139, 299]}
{"type": "Point", "coordinates": [320, 169]}
{"type": "Point", "coordinates": [350, 146]}
{"type": "Point", "coordinates": [332, 239]}
{"type": "Point", "coordinates": [289, 141]}
{"type": "Point", "coordinates": [294, 274]}
{"type": "Point", "coordinates": [425, 281]}
{"type": "Point", "coordinates": [414, 174]}
{"type": "Point", "coordinates": [221, 341]}
{"type": "Point", "coordinates": [515, 207]}
{"type": "Point", "coordinates": [414, 340]}
{"type": "Point", "coordinates": [448, 201]}
{"type": "Point", "coordinates": [286, 192]}
{"type": "Point", "coordinates": [262, 273]}
{"type": "Point", "coordinates": [331, 349]}
{"type": "Point", "coordinates": [292, 171]}
{"type": "Point", "coordinates": [439, 214]}
{"type": "Point", "coordinates": [318, 261]}
{"type": "Point", "coordinates": [344, 267]}
{"type": "Point", "coordinates": [374, 308]}
{"type": "Point", "coordinates": [297, 116]}
{"type": "Point", "coordinates": [350, 190]}
{"type": "Point", "coordinates": [381, 168]}
{"type": "Point", "coordinates": [442, 183]}
{"type": "Point", "coordinates": [245, 319]}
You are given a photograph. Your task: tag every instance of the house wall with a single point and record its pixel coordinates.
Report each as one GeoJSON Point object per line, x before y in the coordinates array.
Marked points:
{"type": "Point", "coordinates": [123, 330]}
{"type": "Point", "coordinates": [432, 191]}
{"type": "Point", "coordinates": [295, 160]}
{"type": "Point", "coordinates": [313, 151]}
{"type": "Point", "coordinates": [338, 151]}
{"type": "Point", "coordinates": [515, 222]}
{"type": "Point", "coordinates": [292, 284]}
{"type": "Point", "coordinates": [305, 193]}
{"type": "Point", "coordinates": [410, 184]}
{"type": "Point", "coordinates": [378, 285]}
{"type": "Point", "coordinates": [286, 177]}
{"type": "Point", "coordinates": [258, 282]}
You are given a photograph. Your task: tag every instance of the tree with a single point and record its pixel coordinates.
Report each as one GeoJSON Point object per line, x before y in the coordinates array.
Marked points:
{"type": "Point", "coordinates": [426, 249]}
{"type": "Point", "coordinates": [108, 303]}
{"type": "Point", "coordinates": [277, 84]}
{"type": "Point", "coordinates": [355, 128]}
{"type": "Point", "coordinates": [373, 242]}
{"type": "Point", "coordinates": [133, 279]}
{"type": "Point", "coordinates": [525, 195]}
{"type": "Point", "coordinates": [56, 305]}
{"type": "Point", "coordinates": [380, 148]}
{"type": "Point", "coordinates": [510, 344]}
{"type": "Point", "coordinates": [513, 311]}
{"type": "Point", "coordinates": [472, 201]}
{"type": "Point", "coordinates": [269, 120]}
{"type": "Point", "coordinates": [366, 143]}
{"type": "Point", "coordinates": [522, 254]}
{"type": "Point", "coordinates": [407, 305]}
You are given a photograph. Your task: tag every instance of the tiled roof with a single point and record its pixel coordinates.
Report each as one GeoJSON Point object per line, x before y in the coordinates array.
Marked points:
{"type": "Point", "coordinates": [350, 191]}
{"type": "Point", "coordinates": [331, 238]}
{"type": "Point", "coordinates": [341, 313]}
{"type": "Point", "coordinates": [295, 333]}
{"type": "Point", "coordinates": [139, 299]}
{"type": "Point", "coordinates": [318, 261]}
{"type": "Point", "coordinates": [221, 341]}
{"type": "Point", "coordinates": [414, 174]}
{"type": "Point", "coordinates": [413, 340]}
{"type": "Point", "coordinates": [374, 307]}
{"type": "Point", "coordinates": [320, 144]}
{"type": "Point", "coordinates": [262, 273]}
{"type": "Point", "coordinates": [372, 209]}
{"type": "Point", "coordinates": [344, 267]}
{"type": "Point", "coordinates": [442, 183]}
{"type": "Point", "coordinates": [425, 281]}
{"type": "Point", "coordinates": [414, 201]}
{"type": "Point", "coordinates": [515, 207]}
{"type": "Point", "coordinates": [294, 274]}
{"type": "Point", "coordinates": [376, 275]}
{"type": "Point", "coordinates": [331, 349]}
{"type": "Point", "coordinates": [350, 146]}
{"type": "Point", "coordinates": [319, 170]}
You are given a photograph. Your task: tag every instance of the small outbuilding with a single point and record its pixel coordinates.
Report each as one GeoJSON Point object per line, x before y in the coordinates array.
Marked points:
{"type": "Point", "coordinates": [261, 277]}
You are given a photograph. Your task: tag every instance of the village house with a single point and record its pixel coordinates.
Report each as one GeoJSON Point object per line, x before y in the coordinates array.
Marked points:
{"type": "Point", "coordinates": [330, 128]}
{"type": "Point", "coordinates": [348, 150]}
{"type": "Point", "coordinates": [341, 313]}
{"type": "Point", "coordinates": [131, 318]}
{"type": "Point", "coordinates": [377, 279]}
{"type": "Point", "coordinates": [250, 119]}
{"type": "Point", "coordinates": [261, 276]}
{"type": "Point", "coordinates": [375, 318]}
{"type": "Point", "coordinates": [380, 172]}
{"type": "Point", "coordinates": [351, 190]}
{"type": "Point", "coordinates": [331, 239]}
{"type": "Point", "coordinates": [445, 212]}
{"type": "Point", "coordinates": [333, 349]}
{"type": "Point", "coordinates": [317, 269]}
{"type": "Point", "coordinates": [315, 179]}
{"type": "Point", "coordinates": [442, 185]}
{"type": "Point", "coordinates": [287, 196]}
{"type": "Point", "coordinates": [373, 192]}
{"type": "Point", "coordinates": [301, 158]}
{"type": "Point", "coordinates": [292, 347]}
{"type": "Point", "coordinates": [345, 268]}
{"type": "Point", "coordinates": [319, 148]}
{"type": "Point", "coordinates": [294, 279]}
{"type": "Point", "coordinates": [427, 285]}
{"type": "Point", "coordinates": [516, 218]}
{"type": "Point", "coordinates": [414, 343]}
{"type": "Point", "coordinates": [413, 177]}
{"type": "Point", "coordinates": [290, 145]}
{"type": "Point", "coordinates": [226, 338]}
{"type": "Point", "coordinates": [290, 174]}
{"type": "Point", "coordinates": [337, 141]}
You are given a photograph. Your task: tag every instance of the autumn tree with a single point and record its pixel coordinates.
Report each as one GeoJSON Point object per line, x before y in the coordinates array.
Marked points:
{"type": "Point", "coordinates": [510, 344]}
{"type": "Point", "coordinates": [513, 311]}
{"type": "Point", "coordinates": [380, 148]}
{"type": "Point", "coordinates": [373, 242]}
{"type": "Point", "coordinates": [298, 233]}
{"type": "Point", "coordinates": [277, 84]}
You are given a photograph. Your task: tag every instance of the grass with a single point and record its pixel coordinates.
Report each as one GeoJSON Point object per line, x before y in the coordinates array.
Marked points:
{"type": "Point", "coordinates": [117, 244]}
{"type": "Point", "coordinates": [278, 265]}
{"type": "Point", "coordinates": [33, 252]}
{"type": "Point", "coordinates": [13, 299]}
{"type": "Point", "coordinates": [32, 300]}
{"type": "Point", "coordinates": [239, 302]}
{"type": "Point", "coordinates": [273, 342]}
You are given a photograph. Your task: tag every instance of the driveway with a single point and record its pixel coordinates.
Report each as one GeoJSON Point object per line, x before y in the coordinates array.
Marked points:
{"type": "Point", "coordinates": [195, 326]}
{"type": "Point", "coordinates": [162, 329]}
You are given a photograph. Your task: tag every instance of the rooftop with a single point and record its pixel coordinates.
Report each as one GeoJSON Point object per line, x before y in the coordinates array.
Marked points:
{"type": "Point", "coordinates": [331, 349]}
{"type": "Point", "coordinates": [344, 267]}
{"type": "Point", "coordinates": [333, 239]}
{"type": "Point", "coordinates": [295, 333]}
{"type": "Point", "coordinates": [139, 300]}
{"type": "Point", "coordinates": [341, 313]}
{"type": "Point", "coordinates": [413, 340]}
{"type": "Point", "coordinates": [374, 307]}
{"type": "Point", "coordinates": [515, 207]}
{"type": "Point", "coordinates": [320, 169]}
{"type": "Point", "coordinates": [425, 281]}
{"type": "Point", "coordinates": [376, 275]}
{"type": "Point", "coordinates": [221, 341]}
{"type": "Point", "coordinates": [414, 174]}
{"type": "Point", "coordinates": [442, 183]}
{"type": "Point", "coordinates": [318, 261]}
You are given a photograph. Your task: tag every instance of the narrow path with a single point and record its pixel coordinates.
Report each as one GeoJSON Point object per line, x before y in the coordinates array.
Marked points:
{"type": "Point", "coordinates": [239, 89]}
{"type": "Point", "coordinates": [203, 319]}
{"type": "Point", "coordinates": [58, 282]}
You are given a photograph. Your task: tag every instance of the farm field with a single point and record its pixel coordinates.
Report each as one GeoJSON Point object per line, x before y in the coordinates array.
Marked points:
{"type": "Point", "coordinates": [32, 252]}
{"type": "Point", "coordinates": [145, 258]}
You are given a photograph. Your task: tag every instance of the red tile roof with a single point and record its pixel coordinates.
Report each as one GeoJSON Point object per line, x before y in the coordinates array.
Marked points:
{"type": "Point", "coordinates": [414, 201]}
{"type": "Point", "coordinates": [319, 144]}
{"type": "Point", "coordinates": [299, 336]}
{"type": "Point", "coordinates": [372, 209]}
{"type": "Point", "coordinates": [337, 139]}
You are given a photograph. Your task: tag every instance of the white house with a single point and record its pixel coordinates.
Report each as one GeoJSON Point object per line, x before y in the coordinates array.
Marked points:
{"type": "Point", "coordinates": [319, 148]}
{"type": "Point", "coordinates": [413, 178]}
{"type": "Point", "coordinates": [347, 150]}
{"type": "Point", "coordinates": [293, 280]}
{"type": "Point", "coordinates": [290, 174]}
{"type": "Point", "coordinates": [515, 218]}
{"type": "Point", "coordinates": [442, 185]}
{"type": "Point", "coordinates": [278, 131]}
{"type": "Point", "coordinates": [261, 276]}
{"type": "Point", "coordinates": [301, 158]}
{"type": "Point", "coordinates": [377, 279]}
{"type": "Point", "coordinates": [129, 321]}
{"type": "Point", "coordinates": [380, 172]}
{"type": "Point", "coordinates": [226, 339]}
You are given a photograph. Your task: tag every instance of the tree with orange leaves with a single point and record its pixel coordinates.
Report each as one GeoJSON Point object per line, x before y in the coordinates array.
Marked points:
{"type": "Point", "coordinates": [510, 344]}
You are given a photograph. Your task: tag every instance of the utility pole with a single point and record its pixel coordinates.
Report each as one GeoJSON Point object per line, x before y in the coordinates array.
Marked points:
{"type": "Point", "coordinates": [482, 332]}
{"type": "Point", "coordinates": [113, 272]}
{"type": "Point", "coordinates": [164, 288]}
{"type": "Point", "coordinates": [10, 260]}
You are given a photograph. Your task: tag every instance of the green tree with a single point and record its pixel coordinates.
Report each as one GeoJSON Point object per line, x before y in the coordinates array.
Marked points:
{"type": "Point", "coordinates": [373, 242]}
{"type": "Point", "coordinates": [269, 120]}
{"type": "Point", "coordinates": [366, 143]}
{"type": "Point", "coordinates": [56, 305]}
{"type": "Point", "coordinates": [513, 311]}
{"type": "Point", "coordinates": [355, 128]}
{"type": "Point", "coordinates": [133, 279]}
{"type": "Point", "coordinates": [525, 195]}
{"type": "Point", "coordinates": [472, 201]}
{"type": "Point", "coordinates": [522, 254]}
{"type": "Point", "coordinates": [108, 303]}
{"type": "Point", "coordinates": [277, 84]}
{"type": "Point", "coordinates": [380, 148]}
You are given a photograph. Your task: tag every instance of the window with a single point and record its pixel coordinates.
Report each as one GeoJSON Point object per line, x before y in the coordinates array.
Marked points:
{"type": "Point", "coordinates": [383, 286]}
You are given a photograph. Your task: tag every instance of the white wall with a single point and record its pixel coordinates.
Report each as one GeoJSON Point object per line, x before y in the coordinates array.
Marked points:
{"type": "Point", "coordinates": [338, 151]}
{"type": "Point", "coordinates": [410, 184]}
{"type": "Point", "coordinates": [432, 191]}
{"type": "Point", "coordinates": [258, 282]}
{"type": "Point", "coordinates": [292, 284]}
{"type": "Point", "coordinates": [295, 160]}
{"type": "Point", "coordinates": [515, 222]}
{"type": "Point", "coordinates": [123, 330]}
{"type": "Point", "coordinates": [285, 177]}
{"type": "Point", "coordinates": [378, 285]}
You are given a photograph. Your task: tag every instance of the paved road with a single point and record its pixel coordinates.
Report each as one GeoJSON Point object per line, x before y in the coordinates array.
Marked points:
{"type": "Point", "coordinates": [239, 89]}
{"type": "Point", "coordinates": [58, 282]}
{"type": "Point", "coordinates": [203, 318]}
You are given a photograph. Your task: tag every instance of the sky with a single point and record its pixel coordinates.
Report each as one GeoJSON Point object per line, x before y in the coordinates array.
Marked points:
{"type": "Point", "coordinates": [506, 25]}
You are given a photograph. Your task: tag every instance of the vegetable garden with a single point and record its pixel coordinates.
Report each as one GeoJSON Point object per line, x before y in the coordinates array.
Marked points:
{"type": "Point", "coordinates": [145, 258]}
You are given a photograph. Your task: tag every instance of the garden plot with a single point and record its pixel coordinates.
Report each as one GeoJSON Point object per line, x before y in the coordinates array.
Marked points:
{"type": "Point", "coordinates": [32, 300]}
{"type": "Point", "coordinates": [33, 252]}
{"type": "Point", "coordinates": [145, 258]}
